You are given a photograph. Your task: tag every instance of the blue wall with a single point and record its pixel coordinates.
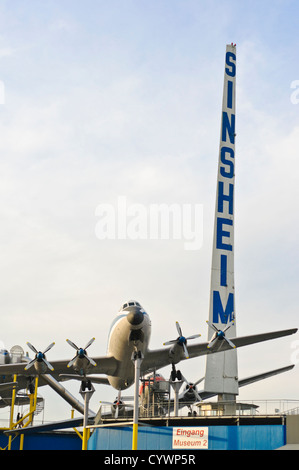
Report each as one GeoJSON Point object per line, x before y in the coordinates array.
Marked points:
{"type": "Point", "coordinates": [44, 441]}
{"type": "Point", "coordinates": [255, 437]}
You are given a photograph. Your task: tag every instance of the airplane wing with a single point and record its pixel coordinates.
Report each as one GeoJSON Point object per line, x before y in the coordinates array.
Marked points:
{"type": "Point", "coordinates": [249, 380]}
{"type": "Point", "coordinates": [54, 426]}
{"type": "Point", "coordinates": [106, 365]}
{"type": "Point", "coordinates": [159, 358]}
{"type": "Point", "coordinates": [241, 341]}
{"type": "Point", "coordinates": [153, 360]}
{"type": "Point", "coordinates": [264, 375]}
{"type": "Point", "coordinates": [93, 378]}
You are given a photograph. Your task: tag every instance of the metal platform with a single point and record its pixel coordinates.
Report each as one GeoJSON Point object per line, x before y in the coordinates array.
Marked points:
{"type": "Point", "coordinates": [198, 421]}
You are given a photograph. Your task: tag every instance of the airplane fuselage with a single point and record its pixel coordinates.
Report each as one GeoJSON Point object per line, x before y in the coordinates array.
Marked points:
{"type": "Point", "coordinates": [130, 330]}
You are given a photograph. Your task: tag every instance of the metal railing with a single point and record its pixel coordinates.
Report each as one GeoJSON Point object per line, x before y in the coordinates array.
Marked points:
{"type": "Point", "coordinates": [164, 409]}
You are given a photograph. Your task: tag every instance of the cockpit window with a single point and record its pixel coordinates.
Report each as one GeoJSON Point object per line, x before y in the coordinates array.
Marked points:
{"type": "Point", "coordinates": [132, 303]}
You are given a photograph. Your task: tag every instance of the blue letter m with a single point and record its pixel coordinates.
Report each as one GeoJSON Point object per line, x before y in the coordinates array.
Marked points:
{"type": "Point", "coordinates": [226, 315]}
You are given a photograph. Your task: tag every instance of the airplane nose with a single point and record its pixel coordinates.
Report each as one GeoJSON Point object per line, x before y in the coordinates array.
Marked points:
{"type": "Point", "coordinates": [135, 317]}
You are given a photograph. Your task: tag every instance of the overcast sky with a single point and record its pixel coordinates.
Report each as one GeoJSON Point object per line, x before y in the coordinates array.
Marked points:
{"type": "Point", "coordinates": [123, 98]}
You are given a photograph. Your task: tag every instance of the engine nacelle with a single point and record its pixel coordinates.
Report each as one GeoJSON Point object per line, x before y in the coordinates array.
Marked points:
{"type": "Point", "coordinates": [16, 354]}
{"type": "Point", "coordinates": [4, 357]}
{"type": "Point", "coordinates": [118, 409]}
{"type": "Point", "coordinates": [189, 393]}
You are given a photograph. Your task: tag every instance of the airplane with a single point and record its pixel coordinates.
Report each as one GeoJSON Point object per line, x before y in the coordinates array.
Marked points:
{"type": "Point", "coordinates": [130, 331]}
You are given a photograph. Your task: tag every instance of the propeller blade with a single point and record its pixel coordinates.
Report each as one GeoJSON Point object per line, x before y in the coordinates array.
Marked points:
{"type": "Point", "coordinates": [48, 348]}
{"type": "Point", "coordinates": [212, 342]}
{"type": "Point", "coordinates": [48, 364]}
{"type": "Point", "coordinates": [179, 330]}
{"type": "Point", "coordinates": [193, 337]}
{"type": "Point", "coordinates": [173, 341]}
{"type": "Point", "coordinates": [185, 380]}
{"type": "Point", "coordinates": [89, 343]}
{"type": "Point", "coordinates": [92, 362]}
{"type": "Point", "coordinates": [197, 395]}
{"type": "Point", "coordinates": [72, 344]}
{"type": "Point", "coordinates": [229, 342]}
{"type": "Point", "coordinates": [32, 347]}
{"type": "Point", "coordinates": [185, 351]}
{"type": "Point", "coordinates": [30, 364]}
{"type": "Point", "coordinates": [228, 326]}
{"type": "Point", "coordinates": [71, 362]}
{"type": "Point", "coordinates": [198, 381]}
{"type": "Point", "coordinates": [212, 326]}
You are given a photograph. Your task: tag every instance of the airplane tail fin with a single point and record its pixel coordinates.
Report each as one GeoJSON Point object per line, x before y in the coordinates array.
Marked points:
{"type": "Point", "coordinates": [222, 369]}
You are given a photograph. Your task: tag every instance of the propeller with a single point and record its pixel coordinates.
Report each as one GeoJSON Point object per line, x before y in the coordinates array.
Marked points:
{"type": "Point", "coordinates": [192, 387]}
{"type": "Point", "coordinates": [118, 404]}
{"type": "Point", "coordinates": [220, 334]}
{"type": "Point", "coordinates": [39, 356]}
{"type": "Point", "coordinates": [81, 353]}
{"type": "Point", "coordinates": [181, 340]}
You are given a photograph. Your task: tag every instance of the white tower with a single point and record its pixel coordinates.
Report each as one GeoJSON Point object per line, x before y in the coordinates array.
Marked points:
{"type": "Point", "coordinates": [222, 368]}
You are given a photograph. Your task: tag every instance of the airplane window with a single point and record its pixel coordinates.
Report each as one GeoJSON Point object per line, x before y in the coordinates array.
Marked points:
{"type": "Point", "coordinates": [138, 304]}
{"type": "Point", "coordinates": [131, 303]}
{"type": "Point", "coordinates": [125, 305]}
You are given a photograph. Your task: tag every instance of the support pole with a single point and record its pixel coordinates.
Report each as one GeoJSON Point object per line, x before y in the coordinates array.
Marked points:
{"type": "Point", "coordinates": [29, 415]}
{"type": "Point", "coordinates": [21, 441]}
{"type": "Point", "coordinates": [11, 423]}
{"type": "Point", "coordinates": [86, 394]}
{"type": "Point", "coordinates": [176, 385]}
{"type": "Point", "coordinates": [64, 393]}
{"type": "Point", "coordinates": [137, 358]}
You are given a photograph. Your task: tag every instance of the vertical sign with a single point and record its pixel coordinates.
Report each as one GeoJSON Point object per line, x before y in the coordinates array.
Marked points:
{"type": "Point", "coordinates": [221, 373]}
